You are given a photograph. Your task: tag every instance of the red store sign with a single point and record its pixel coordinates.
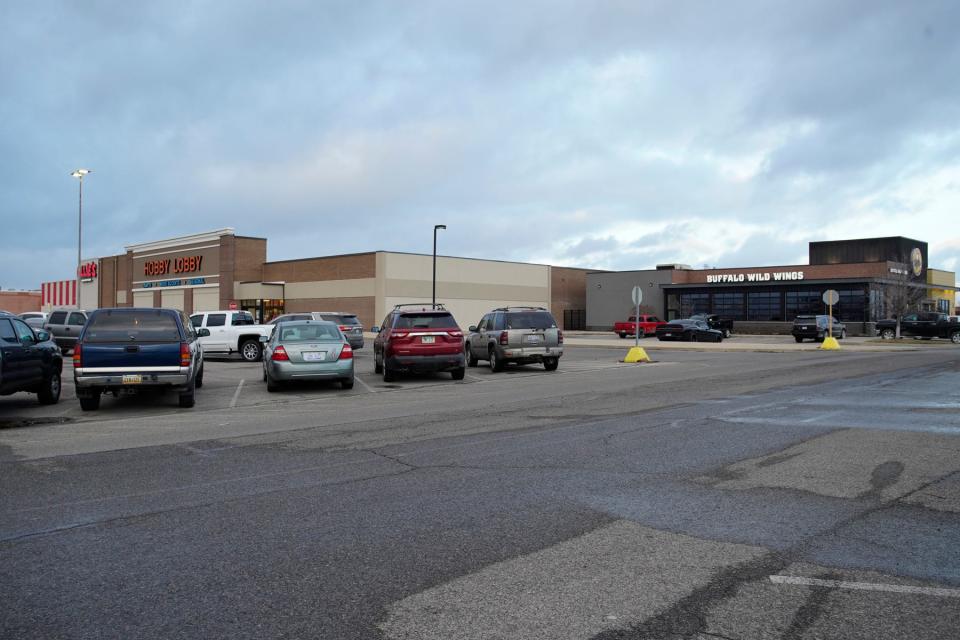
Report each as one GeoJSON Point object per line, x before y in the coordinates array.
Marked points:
{"type": "Point", "coordinates": [88, 271]}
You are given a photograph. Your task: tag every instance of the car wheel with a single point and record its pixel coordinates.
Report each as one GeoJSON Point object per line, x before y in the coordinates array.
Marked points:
{"type": "Point", "coordinates": [90, 402]}
{"type": "Point", "coordinates": [693, 337]}
{"type": "Point", "coordinates": [888, 334]}
{"type": "Point", "coordinates": [389, 375]}
{"type": "Point", "coordinates": [551, 364]}
{"type": "Point", "coordinates": [798, 338]}
{"type": "Point", "coordinates": [272, 386]}
{"type": "Point", "coordinates": [471, 359]}
{"type": "Point", "coordinates": [726, 333]}
{"type": "Point", "coordinates": [496, 364]}
{"type": "Point", "coordinates": [377, 362]}
{"type": "Point", "coordinates": [843, 334]}
{"type": "Point", "coordinates": [955, 337]}
{"type": "Point", "coordinates": [49, 393]}
{"type": "Point", "coordinates": [264, 374]}
{"type": "Point", "coordinates": [250, 351]}
{"type": "Point", "coordinates": [623, 336]}
{"type": "Point", "coordinates": [188, 398]}
{"type": "Point", "coordinates": [346, 383]}
{"type": "Point", "coordinates": [459, 373]}
{"type": "Point", "coordinates": [199, 382]}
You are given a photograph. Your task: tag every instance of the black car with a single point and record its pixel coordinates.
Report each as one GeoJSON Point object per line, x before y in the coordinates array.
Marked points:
{"type": "Point", "coordinates": [29, 360]}
{"type": "Point", "coordinates": [723, 325]}
{"type": "Point", "coordinates": [689, 331]}
{"type": "Point", "coordinates": [817, 328]}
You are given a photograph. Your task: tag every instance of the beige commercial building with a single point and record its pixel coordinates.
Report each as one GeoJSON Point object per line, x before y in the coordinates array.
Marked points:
{"type": "Point", "coordinates": [221, 270]}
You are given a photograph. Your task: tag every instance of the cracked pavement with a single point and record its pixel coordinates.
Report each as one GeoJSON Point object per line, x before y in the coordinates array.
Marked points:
{"type": "Point", "coordinates": [606, 502]}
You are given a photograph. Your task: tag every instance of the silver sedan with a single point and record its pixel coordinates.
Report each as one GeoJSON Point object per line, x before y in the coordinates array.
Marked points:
{"type": "Point", "coordinates": [307, 350]}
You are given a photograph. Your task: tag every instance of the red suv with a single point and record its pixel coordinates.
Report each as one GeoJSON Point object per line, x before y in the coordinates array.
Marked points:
{"type": "Point", "coordinates": [417, 337]}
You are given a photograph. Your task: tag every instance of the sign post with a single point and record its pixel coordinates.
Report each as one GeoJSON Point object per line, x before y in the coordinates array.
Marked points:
{"type": "Point", "coordinates": [637, 297]}
{"type": "Point", "coordinates": [830, 298]}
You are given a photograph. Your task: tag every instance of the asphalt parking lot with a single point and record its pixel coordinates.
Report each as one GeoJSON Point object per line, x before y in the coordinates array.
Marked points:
{"type": "Point", "coordinates": [709, 494]}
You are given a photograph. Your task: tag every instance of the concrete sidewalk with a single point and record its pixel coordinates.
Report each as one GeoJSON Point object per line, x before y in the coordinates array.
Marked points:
{"type": "Point", "coordinates": [761, 343]}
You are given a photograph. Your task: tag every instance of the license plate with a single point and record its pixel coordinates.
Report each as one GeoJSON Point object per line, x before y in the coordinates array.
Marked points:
{"type": "Point", "coordinates": [132, 379]}
{"type": "Point", "coordinates": [314, 356]}
{"type": "Point", "coordinates": [533, 339]}
{"type": "Point", "coordinates": [804, 327]}
{"type": "Point", "coordinates": [428, 339]}
{"type": "Point", "coordinates": [667, 335]}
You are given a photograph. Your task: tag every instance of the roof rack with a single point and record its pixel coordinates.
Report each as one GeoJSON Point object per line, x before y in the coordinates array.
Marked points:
{"type": "Point", "coordinates": [426, 306]}
{"type": "Point", "coordinates": [520, 308]}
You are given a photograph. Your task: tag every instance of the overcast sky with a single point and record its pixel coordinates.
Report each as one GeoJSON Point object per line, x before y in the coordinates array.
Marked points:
{"type": "Point", "coordinates": [611, 135]}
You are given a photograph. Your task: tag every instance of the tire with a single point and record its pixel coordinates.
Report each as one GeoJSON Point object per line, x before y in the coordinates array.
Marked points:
{"type": "Point", "coordinates": [496, 363]}
{"type": "Point", "coordinates": [693, 338]}
{"type": "Point", "coordinates": [49, 393]}
{"type": "Point", "coordinates": [264, 374]}
{"type": "Point", "coordinates": [388, 374]}
{"type": "Point", "coordinates": [726, 333]}
{"type": "Point", "coordinates": [90, 402]}
{"type": "Point", "coordinates": [888, 334]}
{"type": "Point", "coordinates": [843, 334]}
{"type": "Point", "coordinates": [250, 351]}
{"type": "Point", "coordinates": [346, 383]}
{"type": "Point", "coordinates": [459, 373]}
{"type": "Point", "coordinates": [472, 360]}
{"type": "Point", "coordinates": [272, 386]}
{"type": "Point", "coordinates": [551, 364]}
{"type": "Point", "coordinates": [199, 381]}
{"type": "Point", "coordinates": [798, 338]}
{"type": "Point", "coordinates": [955, 337]}
{"type": "Point", "coordinates": [623, 336]}
{"type": "Point", "coordinates": [377, 362]}
{"type": "Point", "coordinates": [188, 398]}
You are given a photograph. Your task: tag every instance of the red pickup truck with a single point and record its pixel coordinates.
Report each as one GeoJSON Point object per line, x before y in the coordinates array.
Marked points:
{"type": "Point", "coordinates": [648, 325]}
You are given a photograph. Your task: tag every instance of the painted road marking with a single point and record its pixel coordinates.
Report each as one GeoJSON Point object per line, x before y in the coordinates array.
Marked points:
{"type": "Point", "coordinates": [866, 586]}
{"type": "Point", "coordinates": [365, 385]}
{"type": "Point", "coordinates": [236, 394]}
{"type": "Point", "coordinates": [474, 378]}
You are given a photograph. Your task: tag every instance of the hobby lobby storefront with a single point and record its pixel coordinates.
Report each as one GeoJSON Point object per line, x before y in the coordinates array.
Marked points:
{"type": "Point", "coordinates": [221, 270]}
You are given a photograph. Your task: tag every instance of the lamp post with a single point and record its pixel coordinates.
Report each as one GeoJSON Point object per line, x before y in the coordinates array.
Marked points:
{"type": "Point", "coordinates": [433, 304]}
{"type": "Point", "coordinates": [78, 174]}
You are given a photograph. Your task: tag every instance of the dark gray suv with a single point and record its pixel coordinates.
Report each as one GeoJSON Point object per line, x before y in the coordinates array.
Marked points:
{"type": "Point", "coordinates": [65, 327]}
{"type": "Point", "coordinates": [522, 335]}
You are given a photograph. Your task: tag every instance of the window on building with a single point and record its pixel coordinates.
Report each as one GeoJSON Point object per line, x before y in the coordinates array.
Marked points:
{"type": "Point", "coordinates": [764, 306]}
{"type": "Point", "coordinates": [803, 303]}
{"type": "Point", "coordinates": [693, 303]}
{"type": "Point", "coordinates": [852, 306]}
{"type": "Point", "coordinates": [729, 305]}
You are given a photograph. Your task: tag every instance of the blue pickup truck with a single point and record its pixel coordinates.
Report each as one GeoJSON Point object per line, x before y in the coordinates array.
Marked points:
{"type": "Point", "coordinates": [129, 348]}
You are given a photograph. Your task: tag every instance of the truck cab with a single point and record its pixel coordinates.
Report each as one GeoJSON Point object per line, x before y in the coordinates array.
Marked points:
{"type": "Point", "coordinates": [231, 331]}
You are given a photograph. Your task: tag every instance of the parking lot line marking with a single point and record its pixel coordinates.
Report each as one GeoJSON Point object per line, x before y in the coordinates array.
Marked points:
{"type": "Point", "coordinates": [236, 394]}
{"type": "Point", "coordinates": [474, 378]}
{"type": "Point", "coordinates": [365, 385]}
{"type": "Point", "coordinates": [866, 586]}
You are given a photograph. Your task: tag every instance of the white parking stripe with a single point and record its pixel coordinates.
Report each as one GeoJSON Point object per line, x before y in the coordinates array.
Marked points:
{"type": "Point", "coordinates": [365, 385]}
{"type": "Point", "coordinates": [866, 586]}
{"type": "Point", "coordinates": [236, 394]}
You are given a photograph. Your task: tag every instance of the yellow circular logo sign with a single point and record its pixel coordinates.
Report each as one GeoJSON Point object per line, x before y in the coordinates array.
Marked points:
{"type": "Point", "coordinates": [916, 260]}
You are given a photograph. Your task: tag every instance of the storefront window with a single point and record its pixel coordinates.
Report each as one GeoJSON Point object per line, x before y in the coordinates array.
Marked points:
{"type": "Point", "coordinates": [729, 305]}
{"type": "Point", "coordinates": [693, 303]}
{"type": "Point", "coordinates": [852, 306]}
{"type": "Point", "coordinates": [764, 306]}
{"type": "Point", "coordinates": [263, 310]}
{"type": "Point", "coordinates": [800, 303]}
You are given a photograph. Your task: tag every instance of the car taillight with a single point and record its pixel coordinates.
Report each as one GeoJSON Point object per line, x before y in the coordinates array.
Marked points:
{"type": "Point", "coordinates": [77, 355]}
{"type": "Point", "coordinates": [185, 355]}
{"type": "Point", "coordinates": [398, 334]}
{"type": "Point", "coordinates": [279, 354]}
{"type": "Point", "coordinates": [343, 327]}
{"type": "Point", "coordinates": [346, 353]}
{"type": "Point", "coordinates": [559, 336]}
{"type": "Point", "coordinates": [504, 338]}
{"type": "Point", "coordinates": [455, 334]}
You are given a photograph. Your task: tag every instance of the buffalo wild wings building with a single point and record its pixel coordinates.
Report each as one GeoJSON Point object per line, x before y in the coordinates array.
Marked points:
{"type": "Point", "coordinates": [767, 299]}
{"type": "Point", "coordinates": [221, 270]}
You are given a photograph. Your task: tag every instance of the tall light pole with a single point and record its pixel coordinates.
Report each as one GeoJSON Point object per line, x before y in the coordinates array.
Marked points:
{"type": "Point", "coordinates": [78, 174]}
{"type": "Point", "coordinates": [433, 304]}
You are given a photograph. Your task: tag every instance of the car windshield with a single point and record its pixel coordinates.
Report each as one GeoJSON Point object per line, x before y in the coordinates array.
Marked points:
{"type": "Point", "coordinates": [296, 332]}
{"type": "Point", "coordinates": [800, 319]}
{"type": "Point", "coordinates": [426, 320]}
{"type": "Point", "coordinates": [530, 320]}
{"type": "Point", "coordinates": [132, 325]}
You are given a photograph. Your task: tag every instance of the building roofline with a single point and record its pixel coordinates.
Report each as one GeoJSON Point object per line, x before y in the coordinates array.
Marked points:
{"type": "Point", "coordinates": [205, 236]}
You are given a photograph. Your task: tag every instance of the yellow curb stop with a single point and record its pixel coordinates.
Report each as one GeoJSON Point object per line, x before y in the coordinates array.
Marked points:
{"type": "Point", "coordinates": [830, 344]}
{"type": "Point", "coordinates": [636, 354]}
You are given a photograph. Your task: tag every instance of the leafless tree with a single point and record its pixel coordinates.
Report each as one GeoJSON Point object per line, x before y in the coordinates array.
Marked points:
{"type": "Point", "coordinates": [902, 292]}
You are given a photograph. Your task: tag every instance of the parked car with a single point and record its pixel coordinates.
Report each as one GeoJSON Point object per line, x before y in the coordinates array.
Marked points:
{"type": "Point", "coordinates": [127, 348]}
{"type": "Point", "coordinates": [232, 332]}
{"type": "Point", "coordinates": [926, 325]}
{"type": "Point", "coordinates": [521, 335]}
{"type": "Point", "coordinates": [418, 338]}
{"type": "Point", "coordinates": [724, 325]}
{"type": "Point", "coordinates": [648, 326]}
{"type": "Point", "coordinates": [689, 331]}
{"type": "Point", "coordinates": [29, 360]}
{"type": "Point", "coordinates": [348, 323]}
{"type": "Point", "coordinates": [307, 350]}
{"type": "Point", "coordinates": [817, 328]}
{"type": "Point", "coordinates": [35, 319]}
{"type": "Point", "coordinates": [65, 326]}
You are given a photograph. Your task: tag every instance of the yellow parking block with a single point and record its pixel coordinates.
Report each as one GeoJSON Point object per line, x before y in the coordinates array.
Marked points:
{"type": "Point", "coordinates": [830, 344]}
{"type": "Point", "coordinates": [637, 354]}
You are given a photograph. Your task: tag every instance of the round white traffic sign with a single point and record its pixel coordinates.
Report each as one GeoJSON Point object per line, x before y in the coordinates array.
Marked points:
{"type": "Point", "coordinates": [637, 295]}
{"type": "Point", "coordinates": [830, 296]}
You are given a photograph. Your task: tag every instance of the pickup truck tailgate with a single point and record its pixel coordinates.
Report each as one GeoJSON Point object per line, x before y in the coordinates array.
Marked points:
{"type": "Point", "coordinates": [130, 356]}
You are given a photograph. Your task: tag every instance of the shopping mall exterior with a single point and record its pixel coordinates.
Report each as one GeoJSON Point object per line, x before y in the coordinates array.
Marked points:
{"type": "Point", "coordinates": [767, 299]}
{"type": "Point", "coordinates": [222, 270]}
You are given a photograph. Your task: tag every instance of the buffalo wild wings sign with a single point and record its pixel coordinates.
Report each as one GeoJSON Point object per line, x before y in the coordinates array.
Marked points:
{"type": "Point", "coordinates": [769, 276]}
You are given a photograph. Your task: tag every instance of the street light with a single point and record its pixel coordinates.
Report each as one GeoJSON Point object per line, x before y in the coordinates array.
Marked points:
{"type": "Point", "coordinates": [435, 227]}
{"type": "Point", "coordinates": [78, 174]}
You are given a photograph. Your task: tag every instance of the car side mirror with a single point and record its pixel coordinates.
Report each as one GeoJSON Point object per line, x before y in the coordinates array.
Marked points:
{"type": "Point", "coordinates": [374, 329]}
{"type": "Point", "coordinates": [42, 336]}
{"type": "Point", "coordinates": [264, 338]}
{"type": "Point", "coordinates": [472, 328]}
{"type": "Point", "coordinates": [203, 332]}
